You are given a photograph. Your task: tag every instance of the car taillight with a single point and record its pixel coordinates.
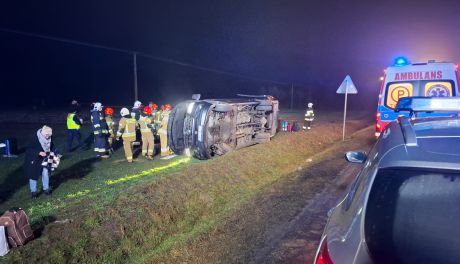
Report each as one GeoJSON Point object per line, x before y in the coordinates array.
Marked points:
{"type": "Point", "coordinates": [323, 255]}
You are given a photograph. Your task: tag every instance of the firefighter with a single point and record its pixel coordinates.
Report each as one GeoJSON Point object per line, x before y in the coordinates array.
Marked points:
{"type": "Point", "coordinates": [136, 110]}
{"type": "Point", "coordinates": [74, 123]}
{"type": "Point", "coordinates": [145, 125]}
{"type": "Point", "coordinates": [108, 111]}
{"type": "Point", "coordinates": [151, 104]}
{"type": "Point", "coordinates": [127, 130]}
{"type": "Point", "coordinates": [309, 117]}
{"type": "Point", "coordinates": [157, 118]}
{"type": "Point", "coordinates": [165, 151]}
{"type": "Point", "coordinates": [154, 115]}
{"type": "Point", "coordinates": [100, 131]}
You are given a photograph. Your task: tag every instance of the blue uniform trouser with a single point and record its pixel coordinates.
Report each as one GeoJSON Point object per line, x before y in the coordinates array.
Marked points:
{"type": "Point", "coordinates": [45, 181]}
{"type": "Point", "coordinates": [100, 144]}
{"type": "Point", "coordinates": [71, 134]}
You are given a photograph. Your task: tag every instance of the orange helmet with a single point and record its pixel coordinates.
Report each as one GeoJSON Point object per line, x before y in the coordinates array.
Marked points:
{"type": "Point", "coordinates": [108, 111]}
{"type": "Point", "coordinates": [147, 110]}
{"type": "Point", "coordinates": [154, 106]}
{"type": "Point", "coordinates": [167, 107]}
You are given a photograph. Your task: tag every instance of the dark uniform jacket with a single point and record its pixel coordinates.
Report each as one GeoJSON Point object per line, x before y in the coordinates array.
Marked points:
{"type": "Point", "coordinates": [33, 161]}
{"type": "Point", "coordinates": [99, 124]}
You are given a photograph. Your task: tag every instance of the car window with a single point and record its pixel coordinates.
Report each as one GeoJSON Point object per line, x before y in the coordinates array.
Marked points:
{"type": "Point", "coordinates": [412, 216]}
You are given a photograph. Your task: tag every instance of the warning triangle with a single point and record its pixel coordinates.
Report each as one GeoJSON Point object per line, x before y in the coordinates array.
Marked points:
{"type": "Point", "coordinates": [347, 86]}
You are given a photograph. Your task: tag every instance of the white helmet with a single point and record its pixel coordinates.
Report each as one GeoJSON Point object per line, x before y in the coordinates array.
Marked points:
{"type": "Point", "coordinates": [124, 111]}
{"type": "Point", "coordinates": [310, 104]}
{"type": "Point", "coordinates": [97, 106]}
{"type": "Point", "coordinates": [137, 104]}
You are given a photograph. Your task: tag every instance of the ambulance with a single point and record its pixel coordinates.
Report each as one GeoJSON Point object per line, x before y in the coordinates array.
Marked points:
{"type": "Point", "coordinates": [403, 79]}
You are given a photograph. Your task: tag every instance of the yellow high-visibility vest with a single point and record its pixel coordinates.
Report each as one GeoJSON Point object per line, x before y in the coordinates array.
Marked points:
{"type": "Point", "coordinates": [71, 124]}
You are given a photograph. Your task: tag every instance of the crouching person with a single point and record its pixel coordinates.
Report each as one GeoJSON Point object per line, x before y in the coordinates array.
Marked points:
{"type": "Point", "coordinates": [36, 152]}
{"type": "Point", "coordinates": [127, 130]}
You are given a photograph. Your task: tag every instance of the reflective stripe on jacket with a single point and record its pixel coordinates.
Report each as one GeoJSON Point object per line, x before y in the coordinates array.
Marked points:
{"type": "Point", "coordinates": [309, 115]}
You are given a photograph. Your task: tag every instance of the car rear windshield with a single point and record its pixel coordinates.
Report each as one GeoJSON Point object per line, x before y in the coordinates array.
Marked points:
{"type": "Point", "coordinates": [413, 216]}
{"type": "Point", "coordinates": [438, 88]}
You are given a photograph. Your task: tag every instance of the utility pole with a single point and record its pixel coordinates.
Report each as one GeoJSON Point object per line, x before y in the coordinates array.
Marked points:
{"type": "Point", "coordinates": [135, 76]}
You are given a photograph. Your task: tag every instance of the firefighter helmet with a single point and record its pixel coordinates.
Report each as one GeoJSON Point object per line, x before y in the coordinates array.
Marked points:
{"type": "Point", "coordinates": [137, 104]}
{"type": "Point", "coordinates": [124, 111]}
{"type": "Point", "coordinates": [108, 111]}
{"type": "Point", "coordinates": [167, 107]}
{"type": "Point", "coordinates": [97, 106]}
{"type": "Point", "coordinates": [154, 106]}
{"type": "Point", "coordinates": [147, 110]}
{"type": "Point", "coordinates": [310, 104]}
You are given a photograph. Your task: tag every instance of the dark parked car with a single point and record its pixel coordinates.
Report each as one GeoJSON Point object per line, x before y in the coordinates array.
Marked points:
{"type": "Point", "coordinates": [404, 205]}
{"type": "Point", "coordinates": [206, 128]}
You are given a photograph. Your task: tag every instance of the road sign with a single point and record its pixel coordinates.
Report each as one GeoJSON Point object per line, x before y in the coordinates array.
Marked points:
{"type": "Point", "coordinates": [347, 86]}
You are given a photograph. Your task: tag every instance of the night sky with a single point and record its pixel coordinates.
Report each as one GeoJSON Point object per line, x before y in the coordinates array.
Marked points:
{"type": "Point", "coordinates": [311, 44]}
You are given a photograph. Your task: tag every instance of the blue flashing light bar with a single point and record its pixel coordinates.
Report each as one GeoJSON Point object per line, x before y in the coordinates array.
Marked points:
{"type": "Point", "coordinates": [428, 104]}
{"type": "Point", "coordinates": [401, 61]}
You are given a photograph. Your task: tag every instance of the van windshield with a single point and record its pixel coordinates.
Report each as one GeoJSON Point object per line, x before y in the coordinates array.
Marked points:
{"type": "Point", "coordinates": [412, 216]}
{"type": "Point", "coordinates": [438, 88]}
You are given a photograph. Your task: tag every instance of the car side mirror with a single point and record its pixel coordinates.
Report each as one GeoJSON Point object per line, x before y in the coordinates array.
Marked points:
{"type": "Point", "coordinates": [356, 156]}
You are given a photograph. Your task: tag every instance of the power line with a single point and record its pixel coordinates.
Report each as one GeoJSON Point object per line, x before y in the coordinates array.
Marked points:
{"type": "Point", "coordinates": [138, 53]}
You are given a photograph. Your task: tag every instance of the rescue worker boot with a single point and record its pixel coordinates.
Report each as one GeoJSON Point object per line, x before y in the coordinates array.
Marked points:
{"type": "Point", "coordinates": [34, 195]}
